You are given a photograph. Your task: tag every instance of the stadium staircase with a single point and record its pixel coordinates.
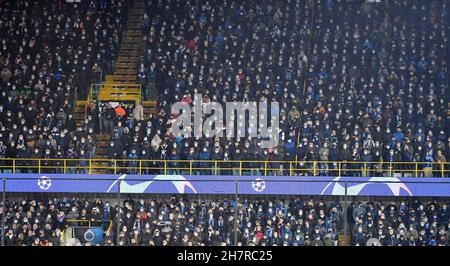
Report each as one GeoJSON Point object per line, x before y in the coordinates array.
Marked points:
{"type": "Point", "coordinates": [344, 240]}
{"type": "Point", "coordinates": [120, 86]}
{"type": "Point", "coordinates": [448, 110]}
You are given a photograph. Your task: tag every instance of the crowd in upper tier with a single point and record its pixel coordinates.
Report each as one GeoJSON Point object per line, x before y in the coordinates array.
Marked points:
{"type": "Point", "coordinates": [50, 52]}
{"type": "Point", "coordinates": [176, 221]}
{"type": "Point", "coordinates": [355, 81]}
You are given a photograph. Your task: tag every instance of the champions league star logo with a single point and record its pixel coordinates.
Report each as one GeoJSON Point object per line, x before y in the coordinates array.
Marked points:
{"type": "Point", "coordinates": [258, 185]}
{"type": "Point", "coordinates": [44, 182]}
{"type": "Point", "coordinates": [178, 181]}
{"type": "Point", "coordinates": [338, 188]}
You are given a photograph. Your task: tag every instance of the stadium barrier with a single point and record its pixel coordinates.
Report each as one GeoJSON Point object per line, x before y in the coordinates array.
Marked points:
{"type": "Point", "coordinates": [116, 92]}
{"type": "Point", "coordinates": [85, 230]}
{"type": "Point", "coordinates": [225, 185]}
{"type": "Point", "coordinates": [111, 186]}
{"type": "Point", "coordinates": [214, 167]}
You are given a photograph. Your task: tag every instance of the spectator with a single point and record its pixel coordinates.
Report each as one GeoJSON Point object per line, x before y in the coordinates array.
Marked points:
{"type": "Point", "coordinates": [45, 65]}
{"type": "Point", "coordinates": [348, 85]}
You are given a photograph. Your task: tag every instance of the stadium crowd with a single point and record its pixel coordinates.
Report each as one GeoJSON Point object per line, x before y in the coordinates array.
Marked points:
{"type": "Point", "coordinates": [50, 52]}
{"type": "Point", "coordinates": [355, 81]}
{"type": "Point", "coordinates": [190, 222]}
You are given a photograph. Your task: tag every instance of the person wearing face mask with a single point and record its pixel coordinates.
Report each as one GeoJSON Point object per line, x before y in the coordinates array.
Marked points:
{"type": "Point", "coordinates": [30, 137]}
{"type": "Point", "coordinates": [359, 237]}
{"type": "Point", "coordinates": [110, 116]}
{"type": "Point", "coordinates": [70, 124]}
{"type": "Point", "coordinates": [204, 156]}
{"type": "Point", "coordinates": [345, 155]}
{"type": "Point", "coordinates": [133, 156]}
{"type": "Point", "coordinates": [173, 164]}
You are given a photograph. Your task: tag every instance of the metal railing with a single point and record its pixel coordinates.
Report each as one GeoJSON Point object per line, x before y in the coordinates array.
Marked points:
{"type": "Point", "coordinates": [88, 223]}
{"type": "Point", "coordinates": [74, 223]}
{"type": "Point", "coordinates": [92, 96]}
{"type": "Point", "coordinates": [344, 229]}
{"type": "Point", "coordinates": [216, 167]}
{"type": "Point", "coordinates": [121, 92]}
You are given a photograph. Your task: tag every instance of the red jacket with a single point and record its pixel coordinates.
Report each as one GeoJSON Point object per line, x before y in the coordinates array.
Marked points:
{"type": "Point", "coordinates": [191, 45]}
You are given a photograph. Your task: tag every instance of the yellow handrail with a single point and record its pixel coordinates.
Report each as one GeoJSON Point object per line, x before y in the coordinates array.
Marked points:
{"type": "Point", "coordinates": [88, 100]}
{"type": "Point", "coordinates": [212, 167]}
{"type": "Point", "coordinates": [114, 95]}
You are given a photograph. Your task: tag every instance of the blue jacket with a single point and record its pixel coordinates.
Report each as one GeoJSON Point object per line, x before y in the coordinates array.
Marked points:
{"type": "Point", "coordinates": [204, 155]}
{"type": "Point", "coordinates": [290, 147]}
{"type": "Point", "coordinates": [133, 156]}
{"type": "Point", "coordinates": [172, 160]}
{"type": "Point", "coordinates": [399, 136]}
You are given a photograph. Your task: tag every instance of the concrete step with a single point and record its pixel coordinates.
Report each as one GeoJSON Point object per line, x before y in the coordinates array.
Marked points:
{"type": "Point", "coordinates": [130, 53]}
{"type": "Point", "coordinates": [128, 90]}
{"type": "Point", "coordinates": [81, 103]}
{"type": "Point", "coordinates": [127, 56]}
{"type": "Point", "coordinates": [122, 81]}
{"type": "Point", "coordinates": [102, 147]}
{"type": "Point", "coordinates": [102, 137]}
{"type": "Point", "coordinates": [127, 65]}
{"type": "Point", "coordinates": [132, 38]}
{"type": "Point", "coordinates": [134, 69]}
{"type": "Point", "coordinates": [120, 91]}
{"type": "Point", "coordinates": [132, 98]}
{"type": "Point", "coordinates": [115, 87]}
{"type": "Point", "coordinates": [127, 59]}
{"type": "Point", "coordinates": [124, 72]}
{"type": "Point", "coordinates": [135, 48]}
{"type": "Point", "coordinates": [130, 45]}
{"type": "Point", "coordinates": [149, 103]}
{"type": "Point", "coordinates": [126, 75]}
{"type": "Point", "coordinates": [119, 95]}
{"type": "Point", "coordinates": [132, 34]}
{"type": "Point", "coordinates": [133, 51]}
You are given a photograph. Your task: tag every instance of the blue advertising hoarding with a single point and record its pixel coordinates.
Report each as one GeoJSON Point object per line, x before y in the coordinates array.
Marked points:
{"type": "Point", "coordinates": [207, 184]}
